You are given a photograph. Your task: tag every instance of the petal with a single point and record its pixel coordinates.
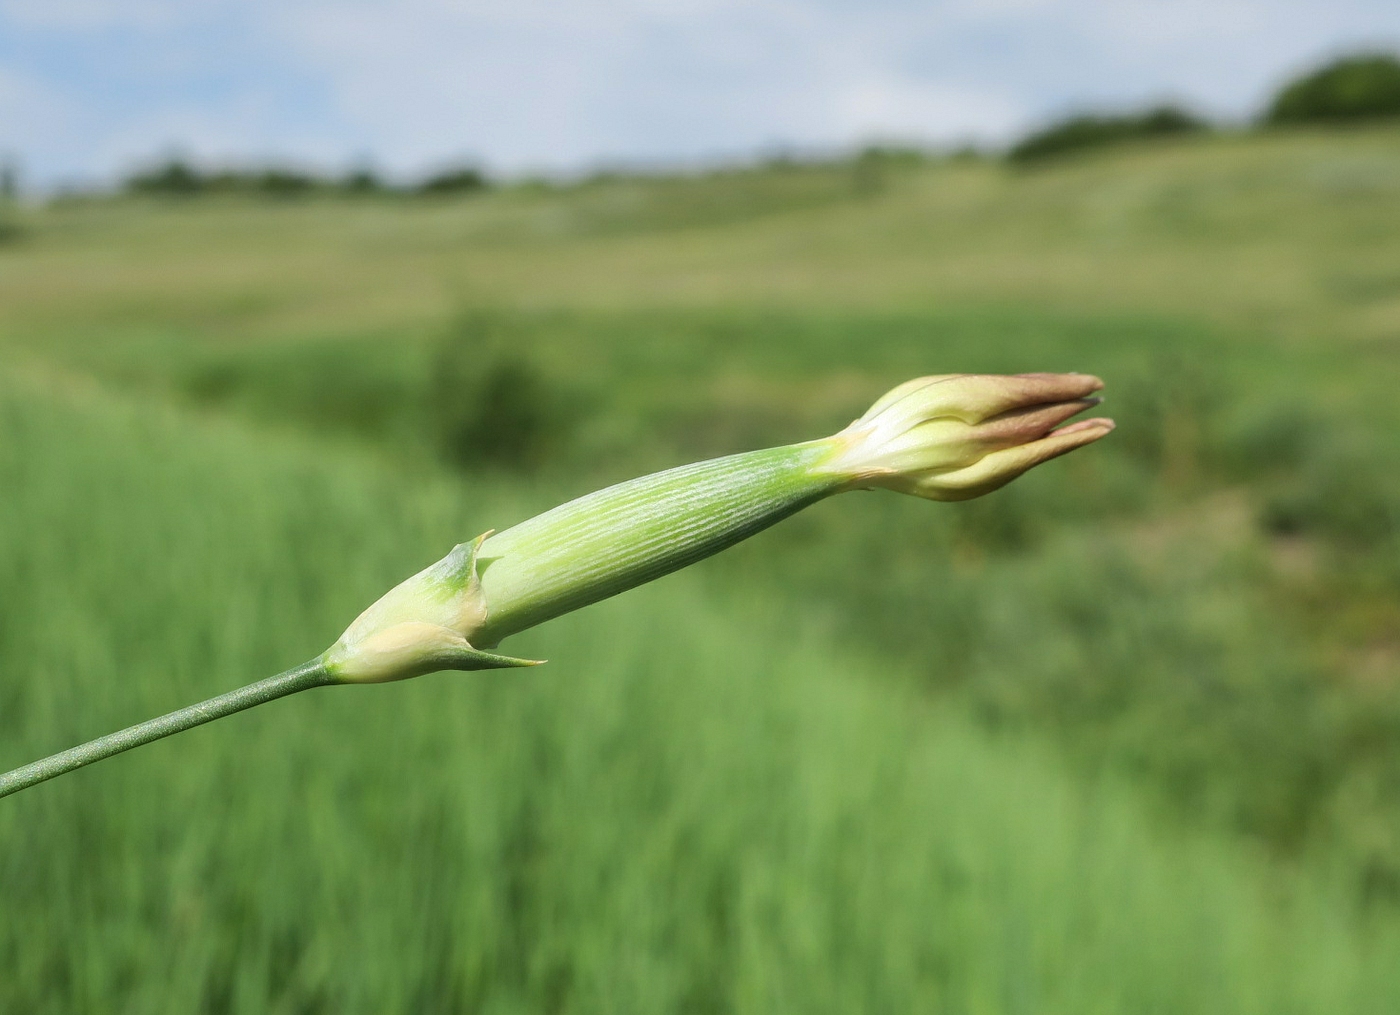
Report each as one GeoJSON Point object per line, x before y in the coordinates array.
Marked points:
{"type": "Point", "coordinates": [1001, 467]}
{"type": "Point", "coordinates": [1020, 426]}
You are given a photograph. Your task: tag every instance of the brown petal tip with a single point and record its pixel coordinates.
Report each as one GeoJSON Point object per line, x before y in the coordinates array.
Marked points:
{"type": "Point", "coordinates": [1098, 423]}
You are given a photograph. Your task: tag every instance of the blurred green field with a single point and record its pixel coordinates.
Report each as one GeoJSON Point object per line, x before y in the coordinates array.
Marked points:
{"type": "Point", "coordinates": [688, 810]}
{"type": "Point", "coordinates": [1121, 737]}
{"type": "Point", "coordinates": [1288, 234]}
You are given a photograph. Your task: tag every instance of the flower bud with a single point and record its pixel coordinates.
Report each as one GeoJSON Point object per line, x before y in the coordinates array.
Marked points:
{"type": "Point", "coordinates": [958, 436]}
{"type": "Point", "coordinates": [948, 437]}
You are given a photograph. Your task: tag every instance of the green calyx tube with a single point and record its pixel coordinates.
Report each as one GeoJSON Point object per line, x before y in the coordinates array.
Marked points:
{"type": "Point", "coordinates": [615, 539]}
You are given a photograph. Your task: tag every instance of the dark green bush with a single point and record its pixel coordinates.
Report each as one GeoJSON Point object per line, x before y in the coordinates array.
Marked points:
{"type": "Point", "coordinates": [175, 177]}
{"type": "Point", "coordinates": [362, 181]}
{"type": "Point", "coordinates": [279, 182]}
{"type": "Point", "coordinates": [360, 390]}
{"type": "Point", "coordinates": [872, 165]}
{"type": "Point", "coordinates": [1339, 495]}
{"type": "Point", "coordinates": [9, 181]}
{"type": "Point", "coordinates": [493, 406]}
{"type": "Point", "coordinates": [462, 180]}
{"type": "Point", "coordinates": [1352, 88]}
{"type": "Point", "coordinates": [1095, 130]}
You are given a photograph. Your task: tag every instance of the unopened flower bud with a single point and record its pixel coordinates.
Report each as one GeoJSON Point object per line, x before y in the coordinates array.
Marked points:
{"type": "Point", "coordinates": [958, 436]}
{"type": "Point", "coordinates": [948, 437]}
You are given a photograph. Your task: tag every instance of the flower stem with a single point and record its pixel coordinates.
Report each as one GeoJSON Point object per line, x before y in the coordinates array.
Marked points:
{"type": "Point", "coordinates": [298, 678]}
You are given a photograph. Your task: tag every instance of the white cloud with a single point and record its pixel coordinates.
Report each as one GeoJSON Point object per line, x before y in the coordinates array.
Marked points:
{"type": "Point", "coordinates": [533, 84]}
{"type": "Point", "coordinates": [887, 107]}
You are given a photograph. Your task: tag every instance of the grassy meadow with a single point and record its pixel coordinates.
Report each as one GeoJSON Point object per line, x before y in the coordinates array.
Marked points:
{"type": "Point", "coordinates": [1119, 738]}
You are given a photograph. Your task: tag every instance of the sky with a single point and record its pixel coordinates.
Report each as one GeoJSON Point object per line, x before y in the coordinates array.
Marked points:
{"type": "Point", "coordinates": [90, 89]}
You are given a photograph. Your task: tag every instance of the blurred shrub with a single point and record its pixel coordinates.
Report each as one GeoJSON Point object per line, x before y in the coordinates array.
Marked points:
{"type": "Point", "coordinates": [1168, 413]}
{"type": "Point", "coordinates": [174, 178]}
{"type": "Point", "coordinates": [362, 181]}
{"type": "Point", "coordinates": [490, 403]}
{"type": "Point", "coordinates": [1008, 523]}
{"type": "Point", "coordinates": [359, 389]}
{"type": "Point", "coordinates": [177, 178]}
{"type": "Point", "coordinates": [461, 180]}
{"type": "Point", "coordinates": [1338, 493]}
{"type": "Point", "coordinates": [273, 182]}
{"type": "Point", "coordinates": [1094, 130]}
{"type": "Point", "coordinates": [871, 166]}
{"type": "Point", "coordinates": [1352, 88]}
{"type": "Point", "coordinates": [1265, 439]}
{"type": "Point", "coordinates": [474, 398]}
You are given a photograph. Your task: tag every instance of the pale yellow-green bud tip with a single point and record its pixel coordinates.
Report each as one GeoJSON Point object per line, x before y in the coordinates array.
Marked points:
{"type": "Point", "coordinates": [419, 626]}
{"type": "Point", "coordinates": [958, 436]}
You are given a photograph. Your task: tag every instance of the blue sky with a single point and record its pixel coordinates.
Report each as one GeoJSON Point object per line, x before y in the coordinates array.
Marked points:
{"type": "Point", "coordinates": [88, 88]}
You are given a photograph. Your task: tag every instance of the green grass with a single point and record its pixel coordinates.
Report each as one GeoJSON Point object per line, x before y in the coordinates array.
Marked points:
{"type": "Point", "coordinates": [684, 811]}
{"type": "Point", "coordinates": [887, 756]}
{"type": "Point", "coordinates": [1237, 528]}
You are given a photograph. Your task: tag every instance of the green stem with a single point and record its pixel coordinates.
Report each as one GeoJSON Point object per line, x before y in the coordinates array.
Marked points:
{"type": "Point", "coordinates": [298, 678]}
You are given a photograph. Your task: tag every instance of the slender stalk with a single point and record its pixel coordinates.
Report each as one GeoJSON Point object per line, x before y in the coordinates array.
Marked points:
{"type": "Point", "coordinates": [298, 678]}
